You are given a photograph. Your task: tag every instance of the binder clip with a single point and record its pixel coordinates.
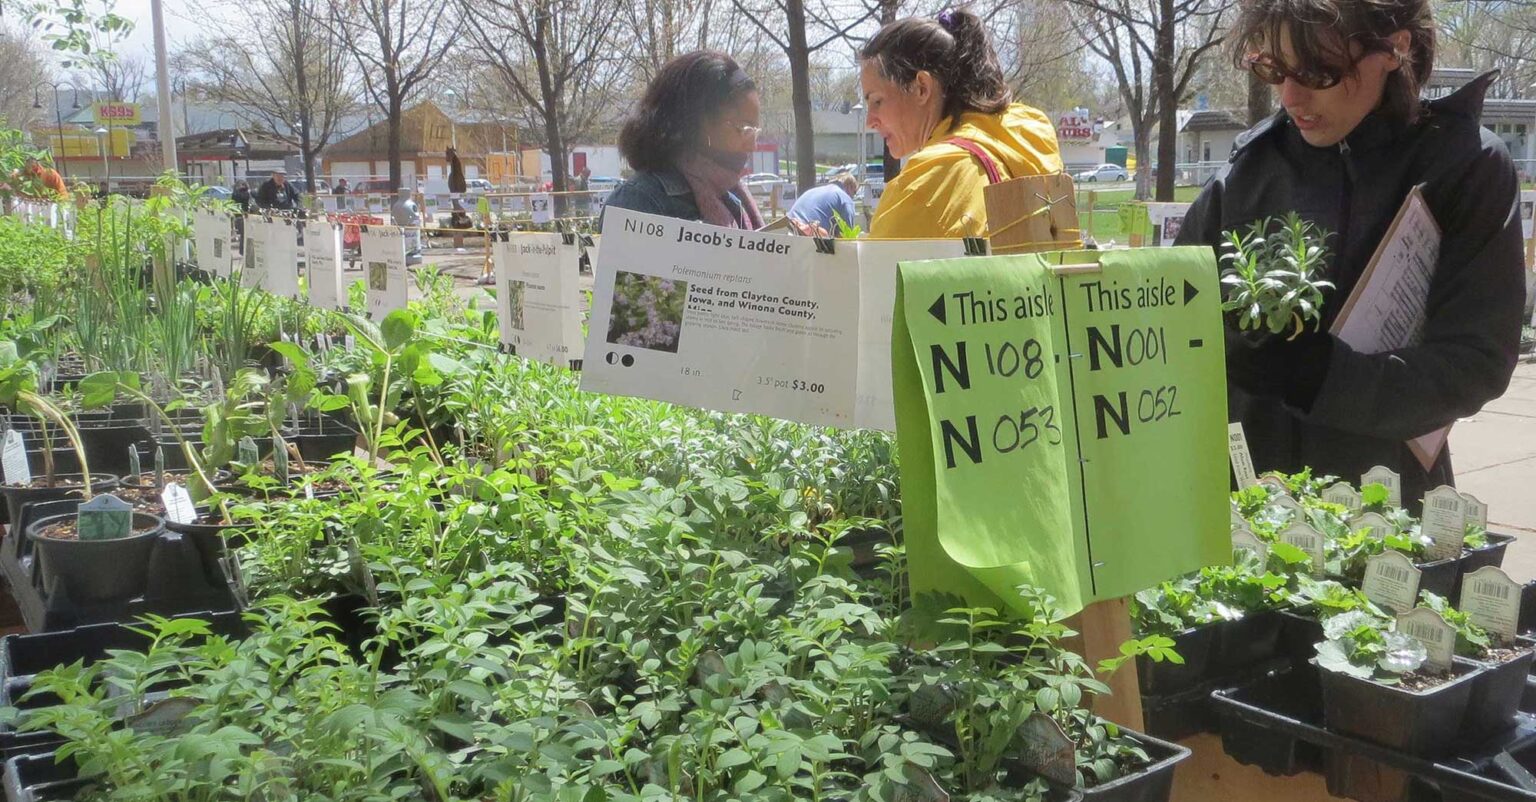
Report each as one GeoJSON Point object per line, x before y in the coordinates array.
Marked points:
{"type": "Point", "coordinates": [826, 245]}
{"type": "Point", "coordinates": [568, 237]}
{"type": "Point", "coordinates": [975, 246]}
{"type": "Point", "coordinates": [587, 242]}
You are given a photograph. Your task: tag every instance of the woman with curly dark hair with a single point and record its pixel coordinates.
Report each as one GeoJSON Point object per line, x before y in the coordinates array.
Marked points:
{"type": "Point", "coordinates": [689, 143]}
{"type": "Point", "coordinates": [1351, 140]}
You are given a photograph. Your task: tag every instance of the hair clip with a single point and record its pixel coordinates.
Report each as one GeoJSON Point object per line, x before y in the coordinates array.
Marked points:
{"type": "Point", "coordinates": [946, 18]}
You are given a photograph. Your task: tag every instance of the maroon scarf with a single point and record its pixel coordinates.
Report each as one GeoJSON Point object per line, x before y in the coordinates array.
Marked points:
{"type": "Point", "coordinates": [710, 182]}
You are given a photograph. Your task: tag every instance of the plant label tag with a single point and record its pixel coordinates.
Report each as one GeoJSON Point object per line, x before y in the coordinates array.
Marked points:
{"type": "Point", "coordinates": [166, 717]}
{"type": "Point", "coordinates": [1388, 478]}
{"type": "Point", "coordinates": [1445, 522]}
{"type": "Point", "coordinates": [217, 380]}
{"type": "Point", "coordinates": [178, 504]}
{"type": "Point", "coordinates": [1289, 504]}
{"type": "Point", "coordinates": [1244, 540]}
{"type": "Point", "coordinates": [247, 452]}
{"type": "Point", "coordinates": [135, 468]}
{"type": "Point", "coordinates": [47, 372]}
{"type": "Point", "coordinates": [280, 462]}
{"type": "Point", "coordinates": [156, 426]}
{"type": "Point", "coordinates": [1345, 496]}
{"type": "Point", "coordinates": [1392, 581]}
{"type": "Point", "coordinates": [159, 466]}
{"type": "Point", "coordinates": [349, 342]}
{"type": "Point", "coordinates": [1492, 601]}
{"type": "Point", "coordinates": [1376, 522]}
{"type": "Point", "coordinates": [309, 491]}
{"type": "Point", "coordinates": [1047, 750]}
{"type": "Point", "coordinates": [13, 459]}
{"type": "Point", "coordinates": [1242, 459]}
{"type": "Point", "coordinates": [1276, 484]}
{"type": "Point", "coordinates": [1238, 522]}
{"type": "Point", "coordinates": [1427, 627]}
{"type": "Point", "coordinates": [105, 518]}
{"type": "Point", "coordinates": [920, 786]}
{"type": "Point", "coordinates": [1477, 511]}
{"type": "Point", "coordinates": [1309, 540]}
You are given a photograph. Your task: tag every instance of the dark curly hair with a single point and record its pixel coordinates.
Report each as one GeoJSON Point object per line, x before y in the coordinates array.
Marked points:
{"type": "Point", "coordinates": [953, 48]}
{"type": "Point", "coordinates": [688, 90]}
{"type": "Point", "coordinates": [1321, 32]}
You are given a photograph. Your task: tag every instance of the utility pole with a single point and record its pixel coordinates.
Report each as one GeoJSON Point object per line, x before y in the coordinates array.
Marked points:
{"type": "Point", "coordinates": [167, 124]}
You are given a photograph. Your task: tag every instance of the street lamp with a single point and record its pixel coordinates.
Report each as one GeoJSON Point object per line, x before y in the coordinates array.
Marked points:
{"type": "Point", "coordinates": [106, 167]}
{"type": "Point", "coordinates": [58, 118]}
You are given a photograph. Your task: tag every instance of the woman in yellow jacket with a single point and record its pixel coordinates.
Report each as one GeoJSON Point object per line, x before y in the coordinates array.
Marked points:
{"type": "Point", "coordinates": [935, 93]}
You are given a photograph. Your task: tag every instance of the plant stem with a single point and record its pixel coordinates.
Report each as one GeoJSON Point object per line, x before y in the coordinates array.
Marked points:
{"type": "Point", "coordinates": [44, 407]}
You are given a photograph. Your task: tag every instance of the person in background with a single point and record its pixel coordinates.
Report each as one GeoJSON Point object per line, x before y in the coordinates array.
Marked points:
{"type": "Point", "coordinates": [45, 181]}
{"type": "Point", "coordinates": [405, 213]}
{"type": "Point", "coordinates": [1351, 139]}
{"type": "Point", "coordinates": [340, 190]}
{"type": "Point", "coordinates": [935, 93]}
{"type": "Point", "coordinates": [276, 193]}
{"type": "Point", "coordinates": [689, 141]}
{"type": "Point", "coordinates": [241, 196]}
{"type": "Point", "coordinates": [821, 209]}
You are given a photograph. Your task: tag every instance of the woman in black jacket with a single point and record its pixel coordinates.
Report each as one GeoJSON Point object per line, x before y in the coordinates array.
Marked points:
{"type": "Point", "coordinates": [689, 142]}
{"type": "Point", "coordinates": [1350, 142]}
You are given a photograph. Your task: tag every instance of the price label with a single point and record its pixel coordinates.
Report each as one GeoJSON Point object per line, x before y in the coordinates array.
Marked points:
{"type": "Point", "coordinates": [1047, 749]}
{"type": "Point", "coordinates": [1376, 522]}
{"type": "Point", "coordinates": [105, 518]}
{"type": "Point", "coordinates": [1477, 511]}
{"type": "Point", "coordinates": [178, 504]}
{"type": "Point", "coordinates": [1242, 459]}
{"type": "Point", "coordinates": [1309, 540]}
{"type": "Point", "coordinates": [1492, 600]}
{"type": "Point", "coordinates": [1388, 478]}
{"type": "Point", "coordinates": [1445, 522]}
{"type": "Point", "coordinates": [13, 459]}
{"type": "Point", "coordinates": [1427, 627]}
{"type": "Point", "coordinates": [1392, 581]}
{"type": "Point", "coordinates": [1345, 496]}
{"type": "Point", "coordinates": [1244, 540]}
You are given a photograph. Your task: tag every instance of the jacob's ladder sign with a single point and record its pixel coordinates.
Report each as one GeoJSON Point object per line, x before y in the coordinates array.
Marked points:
{"type": "Point", "coordinates": [1061, 425]}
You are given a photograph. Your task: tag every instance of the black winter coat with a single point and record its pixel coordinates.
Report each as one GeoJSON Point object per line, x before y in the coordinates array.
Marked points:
{"type": "Point", "coordinates": [1363, 407]}
{"type": "Point", "coordinates": [270, 196]}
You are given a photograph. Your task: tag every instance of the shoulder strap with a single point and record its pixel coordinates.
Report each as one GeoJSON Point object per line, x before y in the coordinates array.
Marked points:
{"type": "Point", "coordinates": [993, 174]}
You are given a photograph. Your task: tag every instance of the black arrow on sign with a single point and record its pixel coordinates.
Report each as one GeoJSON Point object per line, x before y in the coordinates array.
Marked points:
{"type": "Point", "coordinates": [937, 310]}
{"type": "Point", "coordinates": [1189, 292]}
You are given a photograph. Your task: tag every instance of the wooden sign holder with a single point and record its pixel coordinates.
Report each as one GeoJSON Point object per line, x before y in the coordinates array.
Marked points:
{"type": "Point", "coordinates": [1035, 214]}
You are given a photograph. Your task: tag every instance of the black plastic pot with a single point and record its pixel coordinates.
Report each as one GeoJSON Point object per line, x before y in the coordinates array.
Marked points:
{"type": "Point", "coordinates": [106, 446]}
{"type": "Point", "coordinates": [1299, 636]}
{"type": "Point", "coordinates": [1293, 695]}
{"type": "Point", "coordinates": [41, 778]}
{"type": "Point", "coordinates": [1473, 559]}
{"type": "Point", "coordinates": [1152, 784]}
{"type": "Point", "coordinates": [1168, 679]}
{"type": "Point", "coordinates": [96, 571]}
{"type": "Point", "coordinates": [1415, 723]}
{"type": "Point", "coordinates": [317, 445]}
{"type": "Point", "coordinates": [1243, 643]}
{"type": "Point", "coordinates": [1496, 693]}
{"type": "Point", "coordinates": [68, 486]}
{"type": "Point", "coordinates": [1440, 577]}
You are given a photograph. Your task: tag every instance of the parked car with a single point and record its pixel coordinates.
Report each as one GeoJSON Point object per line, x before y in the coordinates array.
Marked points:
{"type": "Point", "coordinates": [762, 185]}
{"type": "Point", "coordinates": [604, 184]}
{"type": "Point", "coordinates": [1104, 172]}
{"type": "Point", "coordinates": [303, 186]}
{"type": "Point", "coordinates": [218, 193]}
{"type": "Point", "coordinates": [372, 186]}
{"type": "Point", "coordinates": [477, 186]}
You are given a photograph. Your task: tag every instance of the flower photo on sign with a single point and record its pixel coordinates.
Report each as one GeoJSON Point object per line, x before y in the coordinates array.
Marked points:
{"type": "Point", "coordinates": [647, 311]}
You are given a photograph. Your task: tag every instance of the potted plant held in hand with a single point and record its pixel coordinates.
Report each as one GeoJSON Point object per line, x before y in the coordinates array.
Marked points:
{"type": "Point", "coordinates": [1271, 277]}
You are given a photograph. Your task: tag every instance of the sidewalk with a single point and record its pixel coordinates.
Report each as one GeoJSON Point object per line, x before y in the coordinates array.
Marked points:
{"type": "Point", "coordinates": [1494, 453]}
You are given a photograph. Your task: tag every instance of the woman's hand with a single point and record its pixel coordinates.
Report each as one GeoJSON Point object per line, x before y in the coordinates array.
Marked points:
{"type": "Point", "coordinates": [1291, 370]}
{"type": "Point", "coordinates": [807, 229]}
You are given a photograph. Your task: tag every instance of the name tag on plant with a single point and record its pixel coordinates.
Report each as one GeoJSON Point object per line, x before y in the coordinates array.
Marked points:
{"type": "Point", "coordinates": [1345, 496]}
{"type": "Point", "coordinates": [13, 459]}
{"type": "Point", "coordinates": [1309, 540]}
{"type": "Point", "coordinates": [1492, 601]}
{"type": "Point", "coordinates": [1388, 478]}
{"type": "Point", "coordinates": [247, 452]}
{"type": "Point", "coordinates": [135, 468]}
{"type": "Point", "coordinates": [166, 717]}
{"type": "Point", "coordinates": [280, 462]}
{"type": "Point", "coordinates": [1047, 750]}
{"type": "Point", "coordinates": [159, 467]}
{"type": "Point", "coordinates": [1376, 522]}
{"type": "Point", "coordinates": [1244, 540]}
{"type": "Point", "coordinates": [920, 786]}
{"type": "Point", "coordinates": [1445, 522]}
{"type": "Point", "coordinates": [1287, 503]}
{"type": "Point", "coordinates": [1275, 483]}
{"type": "Point", "coordinates": [1238, 522]}
{"type": "Point", "coordinates": [1242, 460]}
{"type": "Point", "coordinates": [178, 504]}
{"type": "Point", "coordinates": [1392, 581]}
{"type": "Point", "coordinates": [1439, 639]}
{"type": "Point", "coordinates": [1477, 511]}
{"type": "Point", "coordinates": [105, 518]}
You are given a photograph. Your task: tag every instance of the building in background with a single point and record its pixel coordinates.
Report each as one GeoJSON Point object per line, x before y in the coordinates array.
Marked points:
{"type": "Point", "coordinates": [426, 134]}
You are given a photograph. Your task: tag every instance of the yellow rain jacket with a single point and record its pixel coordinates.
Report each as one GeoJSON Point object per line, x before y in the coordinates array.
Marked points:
{"type": "Point", "coordinates": [938, 193]}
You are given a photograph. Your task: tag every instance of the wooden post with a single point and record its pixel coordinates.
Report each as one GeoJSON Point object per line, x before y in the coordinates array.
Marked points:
{"type": "Point", "coordinates": [1103, 626]}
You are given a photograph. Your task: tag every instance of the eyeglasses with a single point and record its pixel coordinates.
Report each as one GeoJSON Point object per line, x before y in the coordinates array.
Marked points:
{"type": "Point", "coordinates": [747, 130]}
{"type": "Point", "coordinates": [1271, 71]}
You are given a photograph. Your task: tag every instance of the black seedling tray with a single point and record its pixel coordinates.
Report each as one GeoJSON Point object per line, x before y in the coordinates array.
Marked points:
{"type": "Point", "coordinates": [40, 778]}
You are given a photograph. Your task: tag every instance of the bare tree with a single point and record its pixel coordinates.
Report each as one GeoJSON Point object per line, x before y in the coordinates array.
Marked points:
{"type": "Point", "coordinates": [1040, 53]}
{"type": "Point", "coordinates": [1154, 48]}
{"type": "Point", "coordinates": [119, 78]}
{"type": "Point", "coordinates": [398, 45]}
{"type": "Point", "coordinates": [557, 57]}
{"type": "Point", "coordinates": [295, 82]}
{"type": "Point", "coordinates": [22, 71]}
{"type": "Point", "coordinates": [663, 29]}
{"type": "Point", "coordinates": [800, 28]}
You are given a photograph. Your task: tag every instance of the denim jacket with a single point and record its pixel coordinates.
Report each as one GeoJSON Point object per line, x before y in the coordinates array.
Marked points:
{"type": "Point", "coordinates": [664, 193]}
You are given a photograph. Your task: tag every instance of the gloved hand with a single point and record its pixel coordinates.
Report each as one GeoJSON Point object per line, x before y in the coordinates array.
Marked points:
{"type": "Point", "coordinates": [1274, 367]}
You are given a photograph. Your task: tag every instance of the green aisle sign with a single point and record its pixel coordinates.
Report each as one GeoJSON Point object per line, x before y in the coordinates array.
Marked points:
{"type": "Point", "coordinates": [1063, 427]}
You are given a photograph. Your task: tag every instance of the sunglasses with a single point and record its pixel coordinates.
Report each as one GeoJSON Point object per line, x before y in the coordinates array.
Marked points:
{"type": "Point", "coordinates": [1271, 71]}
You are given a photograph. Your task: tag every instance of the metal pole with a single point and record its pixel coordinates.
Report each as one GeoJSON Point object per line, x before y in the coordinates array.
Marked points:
{"type": "Point", "coordinates": [58, 121]}
{"type": "Point", "coordinates": [163, 90]}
